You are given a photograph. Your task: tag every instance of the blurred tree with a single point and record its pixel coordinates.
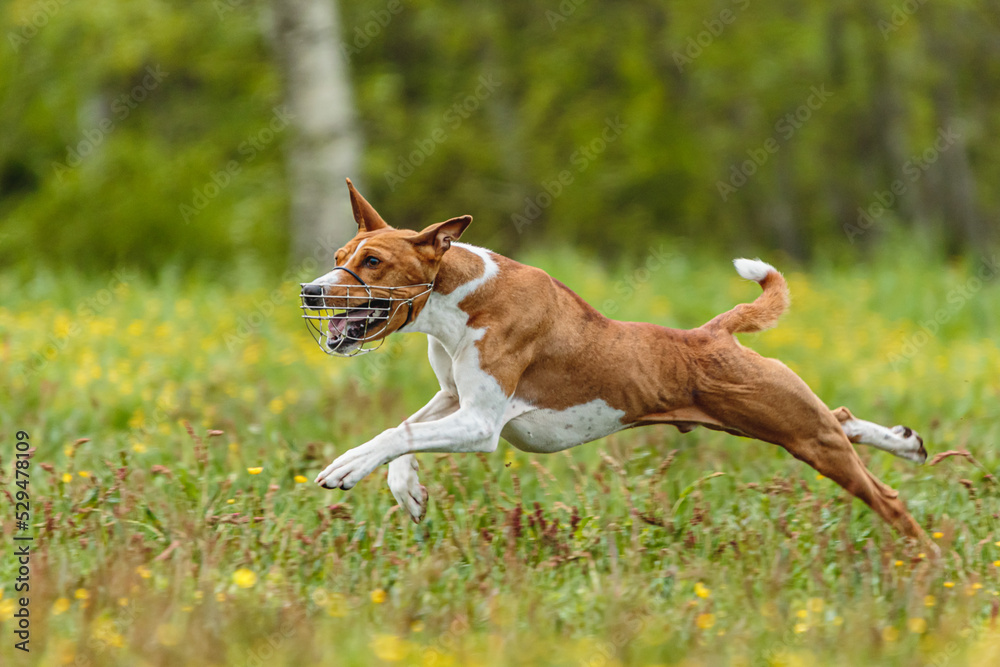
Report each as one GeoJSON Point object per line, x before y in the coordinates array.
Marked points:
{"type": "Point", "coordinates": [326, 147]}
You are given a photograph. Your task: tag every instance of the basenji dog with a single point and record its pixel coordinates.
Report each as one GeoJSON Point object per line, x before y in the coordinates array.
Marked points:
{"type": "Point", "coordinates": [519, 355]}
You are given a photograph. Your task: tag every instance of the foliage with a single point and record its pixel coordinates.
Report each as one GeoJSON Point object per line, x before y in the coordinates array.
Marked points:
{"type": "Point", "coordinates": [156, 545]}
{"type": "Point", "coordinates": [99, 155]}
{"type": "Point", "coordinates": [502, 110]}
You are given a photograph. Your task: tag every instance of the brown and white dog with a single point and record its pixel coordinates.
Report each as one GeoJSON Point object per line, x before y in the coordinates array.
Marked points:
{"type": "Point", "coordinates": [519, 355]}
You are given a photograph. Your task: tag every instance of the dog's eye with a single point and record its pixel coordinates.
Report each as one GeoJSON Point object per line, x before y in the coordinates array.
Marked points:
{"type": "Point", "coordinates": [371, 262]}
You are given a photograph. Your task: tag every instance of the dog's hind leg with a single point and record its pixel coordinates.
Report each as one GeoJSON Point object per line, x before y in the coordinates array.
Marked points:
{"type": "Point", "coordinates": [771, 403]}
{"type": "Point", "coordinates": [902, 441]}
{"type": "Point", "coordinates": [403, 479]}
{"type": "Point", "coordinates": [832, 455]}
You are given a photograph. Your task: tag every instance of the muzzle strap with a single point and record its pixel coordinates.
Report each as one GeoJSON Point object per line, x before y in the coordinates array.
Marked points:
{"type": "Point", "coordinates": [409, 302]}
{"type": "Point", "coordinates": [356, 276]}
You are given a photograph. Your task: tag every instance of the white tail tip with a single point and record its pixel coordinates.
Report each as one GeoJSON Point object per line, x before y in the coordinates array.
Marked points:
{"type": "Point", "coordinates": [753, 269]}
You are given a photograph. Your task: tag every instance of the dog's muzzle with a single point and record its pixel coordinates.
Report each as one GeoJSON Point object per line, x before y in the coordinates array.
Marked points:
{"type": "Point", "coordinates": [348, 320]}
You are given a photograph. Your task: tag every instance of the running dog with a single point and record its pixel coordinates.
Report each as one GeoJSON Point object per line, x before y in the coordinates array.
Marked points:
{"type": "Point", "coordinates": [519, 355]}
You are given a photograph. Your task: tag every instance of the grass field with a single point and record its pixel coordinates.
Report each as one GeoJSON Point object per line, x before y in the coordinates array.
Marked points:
{"type": "Point", "coordinates": [177, 421]}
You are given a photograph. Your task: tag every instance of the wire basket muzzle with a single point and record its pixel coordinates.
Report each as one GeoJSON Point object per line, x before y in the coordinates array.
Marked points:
{"type": "Point", "coordinates": [349, 320]}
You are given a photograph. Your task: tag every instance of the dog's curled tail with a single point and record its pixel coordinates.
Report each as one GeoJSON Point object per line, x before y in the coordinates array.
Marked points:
{"type": "Point", "coordinates": [765, 310]}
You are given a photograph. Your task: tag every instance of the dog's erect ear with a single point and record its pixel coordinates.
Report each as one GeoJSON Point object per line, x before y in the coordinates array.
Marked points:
{"type": "Point", "coordinates": [441, 234]}
{"type": "Point", "coordinates": [365, 215]}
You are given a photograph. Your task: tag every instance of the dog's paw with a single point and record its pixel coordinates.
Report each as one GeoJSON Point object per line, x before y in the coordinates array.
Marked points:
{"type": "Point", "coordinates": [406, 487]}
{"type": "Point", "coordinates": [350, 468]}
{"type": "Point", "coordinates": [913, 448]}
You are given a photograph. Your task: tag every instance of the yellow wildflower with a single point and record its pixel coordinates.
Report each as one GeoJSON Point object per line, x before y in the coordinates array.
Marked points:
{"type": "Point", "coordinates": [300, 479]}
{"type": "Point", "coordinates": [378, 596]}
{"type": "Point", "coordinates": [705, 621]}
{"type": "Point", "coordinates": [244, 578]}
{"type": "Point", "coordinates": [60, 606]}
{"type": "Point", "coordinates": [701, 590]}
{"type": "Point", "coordinates": [255, 471]}
{"type": "Point", "coordinates": [917, 626]}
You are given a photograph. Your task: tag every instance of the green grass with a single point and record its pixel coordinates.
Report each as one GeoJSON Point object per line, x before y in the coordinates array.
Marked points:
{"type": "Point", "coordinates": [156, 546]}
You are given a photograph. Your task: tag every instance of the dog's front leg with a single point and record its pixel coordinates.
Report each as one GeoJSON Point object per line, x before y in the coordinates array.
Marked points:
{"type": "Point", "coordinates": [469, 429]}
{"type": "Point", "coordinates": [403, 479]}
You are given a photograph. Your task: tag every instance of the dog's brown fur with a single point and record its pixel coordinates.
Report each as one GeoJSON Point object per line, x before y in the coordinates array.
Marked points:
{"type": "Point", "coordinates": [547, 346]}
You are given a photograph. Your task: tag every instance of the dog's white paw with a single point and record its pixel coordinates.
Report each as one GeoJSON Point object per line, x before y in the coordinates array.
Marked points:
{"type": "Point", "coordinates": [913, 444]}
{"type": "Point", "coordinates": [406, 487]}
{"type": "Point", "coordinates": [350, 468]}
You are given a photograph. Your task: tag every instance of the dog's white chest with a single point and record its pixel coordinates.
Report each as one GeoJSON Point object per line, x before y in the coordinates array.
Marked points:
{"type": "Point", "coordinates": [542, 430]}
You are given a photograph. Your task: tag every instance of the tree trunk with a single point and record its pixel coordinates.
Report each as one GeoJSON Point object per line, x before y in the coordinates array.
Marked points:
{"type": "Point", "coordinates": [327, 143]}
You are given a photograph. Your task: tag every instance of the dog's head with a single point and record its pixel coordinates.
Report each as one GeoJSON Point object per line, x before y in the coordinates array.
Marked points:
{"type": "Point", "coordinates": [382, 278]}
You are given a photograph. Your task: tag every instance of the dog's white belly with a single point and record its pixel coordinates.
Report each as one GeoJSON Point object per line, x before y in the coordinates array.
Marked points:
{"type": "Point", "coordinates": [543, 431]}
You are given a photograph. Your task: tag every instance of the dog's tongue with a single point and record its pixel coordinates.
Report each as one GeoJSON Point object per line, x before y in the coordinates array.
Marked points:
{"type": "Point", "coordinates": [339, 324]}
